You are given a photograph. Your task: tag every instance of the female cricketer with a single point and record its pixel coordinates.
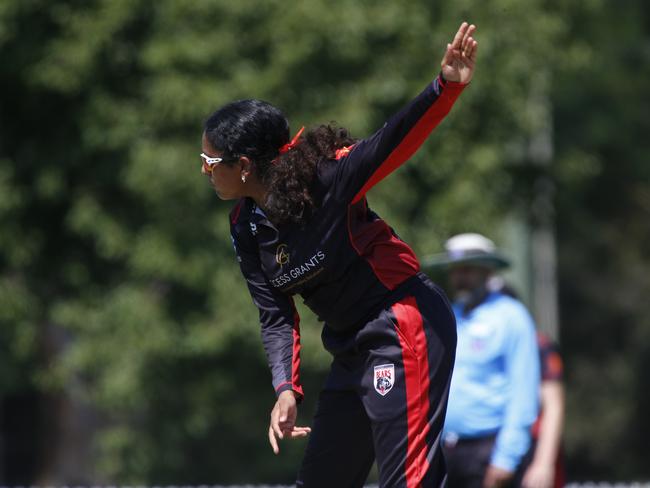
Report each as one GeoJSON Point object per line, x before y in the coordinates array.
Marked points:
{"type": "Point", "coordinates": [302, 226]}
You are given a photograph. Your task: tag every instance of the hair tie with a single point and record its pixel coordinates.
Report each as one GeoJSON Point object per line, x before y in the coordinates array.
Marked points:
{"type": "Point", "coordinates": [293, 143]}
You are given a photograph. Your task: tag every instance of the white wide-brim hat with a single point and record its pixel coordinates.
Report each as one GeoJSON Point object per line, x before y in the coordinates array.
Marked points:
{"type": "Point", "coordinates": [468, 249]}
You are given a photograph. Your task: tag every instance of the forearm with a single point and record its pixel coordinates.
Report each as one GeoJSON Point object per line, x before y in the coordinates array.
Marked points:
{"type": "Point", "coordinates": [550, 433]}
{"type": "Point", "coordinates": [510, 447]}
{"type": "Point", "coordinates": [523, 375]}
{"type": "Point", "coordinates": [375, 157]}
{"type": "Point", "coordinates": [281, 339]}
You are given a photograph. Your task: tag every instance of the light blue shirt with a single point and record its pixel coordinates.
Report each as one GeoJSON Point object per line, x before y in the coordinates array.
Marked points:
{"type": "Point", "coordinates": [495, 384]}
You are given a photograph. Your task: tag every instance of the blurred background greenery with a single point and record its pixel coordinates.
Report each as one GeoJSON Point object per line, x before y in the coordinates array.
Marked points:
{"type": "Point", "coordinates": [129, 346]}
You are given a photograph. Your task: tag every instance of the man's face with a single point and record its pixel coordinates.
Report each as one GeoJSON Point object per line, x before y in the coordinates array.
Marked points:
{"type": "Point", "coordinates": [466, 278]}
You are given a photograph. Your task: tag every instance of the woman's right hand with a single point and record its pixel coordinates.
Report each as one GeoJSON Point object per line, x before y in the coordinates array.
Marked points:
{"type": "Point", "coordinates": [283, 420]}
{"type": "Point", "coordinates": [460, 57]}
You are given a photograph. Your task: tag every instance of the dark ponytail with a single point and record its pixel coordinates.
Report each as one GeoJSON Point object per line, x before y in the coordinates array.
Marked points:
{"type": "Point", "coordinates": [291, 179]}
{"type": "Point", "coordinates": [258, 130]}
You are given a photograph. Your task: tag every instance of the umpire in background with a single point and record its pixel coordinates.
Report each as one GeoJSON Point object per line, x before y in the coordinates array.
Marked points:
{"type": "Point", "coordinates": [493, 399]}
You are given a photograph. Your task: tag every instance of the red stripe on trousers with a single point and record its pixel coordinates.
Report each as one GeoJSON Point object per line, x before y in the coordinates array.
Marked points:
{"type": "Point", "coordinates": [410, 331]}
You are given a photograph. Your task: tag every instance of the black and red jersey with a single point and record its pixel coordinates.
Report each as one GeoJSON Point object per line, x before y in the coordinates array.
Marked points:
{"type": "Point", "coordinates": [345, 260]}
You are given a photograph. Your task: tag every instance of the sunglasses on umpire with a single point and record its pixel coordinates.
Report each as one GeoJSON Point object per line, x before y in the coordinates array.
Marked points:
{"type": "Point", "coordinates": [209, 163]}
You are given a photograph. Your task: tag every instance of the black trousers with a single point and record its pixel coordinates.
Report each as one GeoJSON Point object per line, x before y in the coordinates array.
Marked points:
{"type": "Point", "coordinates": [468, 460]}
{"type": "Point", "coordinates": [386, 396]}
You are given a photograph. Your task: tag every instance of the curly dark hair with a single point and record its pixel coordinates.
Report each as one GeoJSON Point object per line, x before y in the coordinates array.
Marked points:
{"type": "Point", "coordinates": [258, 130]}
{"type": "Point", "coordinates": [290, 178]}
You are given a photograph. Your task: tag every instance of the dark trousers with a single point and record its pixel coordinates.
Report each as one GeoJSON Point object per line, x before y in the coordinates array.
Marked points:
{"type": "Point", "coordinates": [560, 474]}
{"type": "Point", "coordinates": [386, 396]}
{"type": "Point", "coordinates": [467, 462]}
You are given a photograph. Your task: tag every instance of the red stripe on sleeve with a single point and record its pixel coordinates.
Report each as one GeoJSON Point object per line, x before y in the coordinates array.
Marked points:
{"type": "Point", "coordinates": [295, 360]}
{"type": "Point", "coordinates": [416, 373]}
{"type": "Point", "coordinates": [294, 382]}
{"type": "Point", "coordinates": [416, 136]}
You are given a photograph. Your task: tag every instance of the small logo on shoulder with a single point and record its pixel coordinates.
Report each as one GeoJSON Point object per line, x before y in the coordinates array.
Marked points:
{"type": "Point", "coordinates": [281, 255]}
{"type": "Point", "coordinates": [384, 378]}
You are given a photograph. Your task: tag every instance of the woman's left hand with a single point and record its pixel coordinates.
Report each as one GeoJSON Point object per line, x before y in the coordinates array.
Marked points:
{"type": "Point", "coordinates": [283, 420]}
{"type": "Point", "coordinates": [458, 62]}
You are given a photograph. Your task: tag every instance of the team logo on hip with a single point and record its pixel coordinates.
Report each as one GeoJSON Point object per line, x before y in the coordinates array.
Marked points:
{"type": "Point", "coordinates": [384, 378]}
{"type": "Point", "coordinates": [281, 255]}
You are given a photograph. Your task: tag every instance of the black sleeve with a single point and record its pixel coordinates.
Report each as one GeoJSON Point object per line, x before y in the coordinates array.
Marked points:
{"type": "Point", "coordinates": [278, 317]}
{"type": "Point", "coordinates": [372, 159]}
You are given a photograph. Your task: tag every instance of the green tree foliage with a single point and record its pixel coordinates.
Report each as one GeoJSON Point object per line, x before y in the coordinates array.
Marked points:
{"type": "Point", "coordinates": [108, 230]}
{"type": "Point", "coordinates": [603, 215]}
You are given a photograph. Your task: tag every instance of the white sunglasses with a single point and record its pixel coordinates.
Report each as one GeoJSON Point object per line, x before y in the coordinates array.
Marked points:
{"type": "Point", "coordinates": [209, 163]}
